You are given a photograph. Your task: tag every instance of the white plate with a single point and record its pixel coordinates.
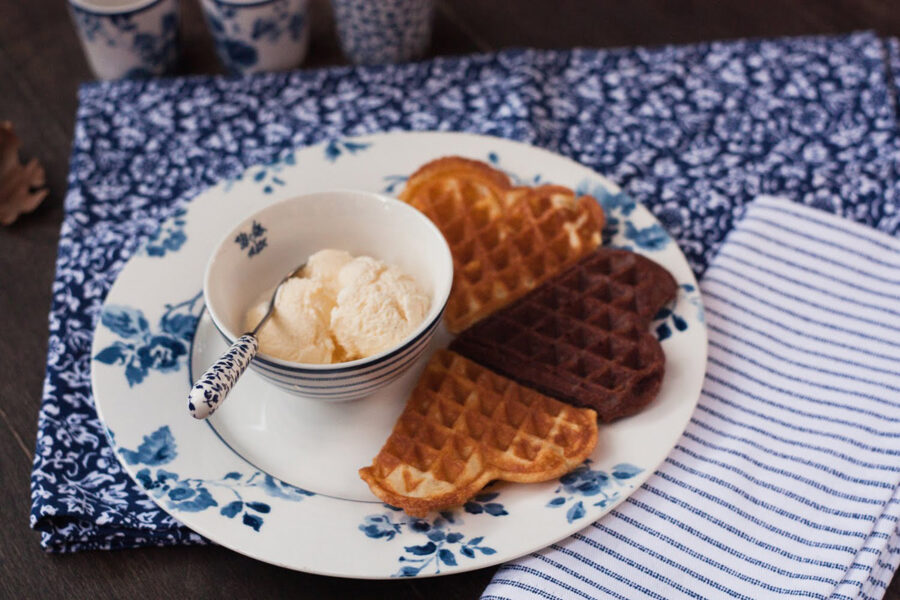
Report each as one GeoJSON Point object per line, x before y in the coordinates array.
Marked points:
{"type": "Point", "coordinates": [221, 478]}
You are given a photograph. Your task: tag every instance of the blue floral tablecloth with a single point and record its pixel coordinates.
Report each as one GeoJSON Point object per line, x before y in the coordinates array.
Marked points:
{"type": "Point", "coordinates": [693, 132]}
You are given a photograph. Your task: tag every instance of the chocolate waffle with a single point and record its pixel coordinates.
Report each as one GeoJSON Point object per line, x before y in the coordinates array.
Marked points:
{"type": "Point", "coordinates": [464, 426]}
{"type": "Point", "coordinates": [505, 240]}
{"type": "Point", "coordinates": [582, 337]}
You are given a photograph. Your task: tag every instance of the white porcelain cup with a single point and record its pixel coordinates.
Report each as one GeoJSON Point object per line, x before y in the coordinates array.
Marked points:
{"type": "Point", "coordinates": [127, 38]}
{"type": "Point", "coordinates": [258, 35]}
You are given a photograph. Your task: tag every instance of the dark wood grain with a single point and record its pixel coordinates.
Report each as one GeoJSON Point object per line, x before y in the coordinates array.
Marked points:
{"type": "Point", "coordinates": [41, 65]}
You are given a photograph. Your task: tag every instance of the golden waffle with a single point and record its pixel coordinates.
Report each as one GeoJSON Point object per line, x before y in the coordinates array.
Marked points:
{"type": "Point", "coordinates": [505, 240]}
{"type": "Point", "coordinates": [582, 337]}
{"type": "Point", "coordinates": [464, 426]}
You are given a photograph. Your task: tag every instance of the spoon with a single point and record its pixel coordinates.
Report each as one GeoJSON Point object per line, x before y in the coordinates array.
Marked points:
{"type": "Point", "coordinates": [210, 390]}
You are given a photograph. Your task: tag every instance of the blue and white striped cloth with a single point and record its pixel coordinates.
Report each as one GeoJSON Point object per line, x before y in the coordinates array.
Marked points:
{"type": "Point", "coordinates": [787, 479]}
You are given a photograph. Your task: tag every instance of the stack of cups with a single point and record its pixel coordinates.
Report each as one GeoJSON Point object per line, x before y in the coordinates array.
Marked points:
{"type": "Point", "coordinates": [139, 38]}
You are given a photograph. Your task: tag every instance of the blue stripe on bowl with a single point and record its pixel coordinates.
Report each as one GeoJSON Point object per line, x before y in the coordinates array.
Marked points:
{"type": "Point", "coordinates": [375, 380]}
{"type": "Point", "coordinates": [327, 393]}
{"type": "Point", "coordinates": [350, 388]}
{"type": "Point", "coordinates": [336, 394]}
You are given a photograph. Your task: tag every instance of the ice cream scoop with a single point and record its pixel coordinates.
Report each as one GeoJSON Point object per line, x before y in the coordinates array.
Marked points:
{"type": "Point", "coordinates": [211, 389]}
{"type": "Point", "coordinates": [341, 309]}
{"type": "Point", "coordinates": [376, 307]}
{"type": "Point", "coordinates": [299, 329]}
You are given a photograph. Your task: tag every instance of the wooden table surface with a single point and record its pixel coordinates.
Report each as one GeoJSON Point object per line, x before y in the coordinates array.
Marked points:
{"type": "Point", "coordinates": [41, 65]}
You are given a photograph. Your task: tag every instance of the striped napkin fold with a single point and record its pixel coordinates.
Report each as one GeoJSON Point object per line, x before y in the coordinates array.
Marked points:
{"type": "Point", "coordinates": [786, 481]}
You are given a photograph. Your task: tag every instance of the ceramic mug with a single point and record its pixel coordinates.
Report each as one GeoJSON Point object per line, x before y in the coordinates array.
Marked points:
{"type": "Point", "coordinates": [258, 35]}
{"type": "Point", "coordinates": [382, 31]}
{"type": "Point", "coordinates": [127, 38]}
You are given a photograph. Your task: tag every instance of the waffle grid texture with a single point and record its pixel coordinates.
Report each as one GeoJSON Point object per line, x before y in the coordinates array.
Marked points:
{"type": "Point", "coordinates": [465, 426]}
{"type": "Point", "coordinates": [505, 239]}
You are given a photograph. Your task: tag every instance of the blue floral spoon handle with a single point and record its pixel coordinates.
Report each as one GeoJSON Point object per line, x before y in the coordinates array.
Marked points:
{"type": "Point", "coordinates": [211, 389]}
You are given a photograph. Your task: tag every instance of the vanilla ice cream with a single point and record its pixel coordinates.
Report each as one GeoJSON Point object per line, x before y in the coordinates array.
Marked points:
{"type": "Point", "coordinates": [378, 305]}
{"type": "Point", "coordinates": [325, 265]}
{"type": "Point", "coordinates": [343, 308]}
{"type": "Point", "coordinates": [300, 328]}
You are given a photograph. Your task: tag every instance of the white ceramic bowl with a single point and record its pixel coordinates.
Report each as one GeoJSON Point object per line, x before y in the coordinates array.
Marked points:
{"type": "Point", "coordinates": [250, 261]}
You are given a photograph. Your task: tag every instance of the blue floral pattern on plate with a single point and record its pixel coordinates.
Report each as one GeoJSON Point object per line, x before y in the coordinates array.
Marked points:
{"type": "Point", "coordinates": [266, 175]}
{"type": "Point", "coordinates": [493, 159]}
{"type": "Point", "coordinates": [169, 237]}
{"type": "Point", "coordinates": [440, 544]}
{"type": "Point", "coordinates": [668, 321]}
{"type": "Point", "coordinates": [141, 350]}
{"type": "Point", "coordinates": [585, 483]}
{"type": "Point", "coordinates": [619, 208]}
{"type": "Point", "coordinates": [336, 148]}
{"type": "Point", "coordinates": [229, 493]}
{"type": "Point", "coordinates": [392, 183]}
{"type": "Point", "coordinates": [485, 502]}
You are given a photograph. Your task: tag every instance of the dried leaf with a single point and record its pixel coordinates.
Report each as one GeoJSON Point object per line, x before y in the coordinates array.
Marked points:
{"type": "Point", "coordinates": [22, 187]}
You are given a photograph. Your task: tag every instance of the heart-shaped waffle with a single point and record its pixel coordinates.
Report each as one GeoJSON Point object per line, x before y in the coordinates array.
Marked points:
{"type": "Point", "coordinates": [464, 426]}
{"type": "Point", "coordinates": [582, 337]}
{"type": "Point", "coordinates": [505, 240]}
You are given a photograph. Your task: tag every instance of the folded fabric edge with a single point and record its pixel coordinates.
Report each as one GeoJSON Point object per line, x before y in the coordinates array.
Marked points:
{"type": "Point", "coordinates": [88, 535]}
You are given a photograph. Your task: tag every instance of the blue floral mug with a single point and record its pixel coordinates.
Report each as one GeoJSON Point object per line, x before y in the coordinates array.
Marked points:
{"type": "Point", "coordinates": [383, 31]}
{"type": "Point", "coordinates": [127, 38]}
{"type": "Point", "coordinates": [258, 35]}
